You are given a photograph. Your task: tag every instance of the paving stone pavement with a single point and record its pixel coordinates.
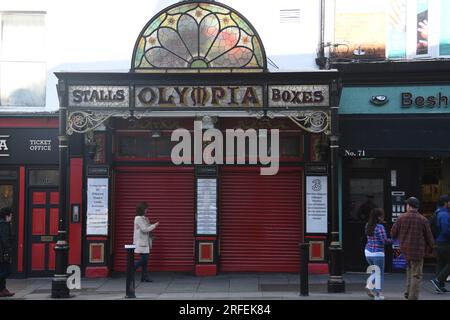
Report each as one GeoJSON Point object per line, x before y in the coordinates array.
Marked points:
{"type": "Point", "coordinates": [227, 286]}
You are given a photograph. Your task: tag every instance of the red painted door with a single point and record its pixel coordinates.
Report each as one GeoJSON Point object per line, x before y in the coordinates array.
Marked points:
{"type": "Point", "coordinates": [170, 194]}
{"type": "Point", "coordinates": [260, 220]}
{"type": "Point", "coordinates": [43, 230]}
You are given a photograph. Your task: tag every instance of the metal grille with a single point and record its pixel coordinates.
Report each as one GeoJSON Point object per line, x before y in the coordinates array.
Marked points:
{"type": "Point", "coordinates": [170, 195]}
{"type": "Point", "coordinates": [261, 221]}
{"type": "Point", "coordinates": [289, 15]}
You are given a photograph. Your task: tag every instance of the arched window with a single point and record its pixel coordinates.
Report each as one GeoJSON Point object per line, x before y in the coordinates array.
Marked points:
{"type": "Point", "coordinates": [198, 37]}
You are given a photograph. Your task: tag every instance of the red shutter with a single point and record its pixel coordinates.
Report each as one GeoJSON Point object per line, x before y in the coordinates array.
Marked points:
{"type": "Point", "coordinates": [261, 220]}
{"type": "Point", "coordinates": [170, 194]}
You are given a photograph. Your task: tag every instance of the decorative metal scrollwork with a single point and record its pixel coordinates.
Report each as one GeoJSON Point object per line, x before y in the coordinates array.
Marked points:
{"type": "Point", "coordinates": [311, 121]}
{"type": "Point", "coordinates": [262, 114]}
{"type": "Point", "coordinates": [82, 121]}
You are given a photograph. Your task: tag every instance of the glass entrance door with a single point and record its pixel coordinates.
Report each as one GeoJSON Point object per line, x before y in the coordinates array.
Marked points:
{"type": "Point", "coordinates": [364, 192]}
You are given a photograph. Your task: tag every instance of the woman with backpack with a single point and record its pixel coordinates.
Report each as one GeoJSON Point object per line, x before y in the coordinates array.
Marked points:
{"type": "Point", "coordinates": [374, 251]}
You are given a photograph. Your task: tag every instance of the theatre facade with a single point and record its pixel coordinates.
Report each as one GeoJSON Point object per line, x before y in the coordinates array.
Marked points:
{"type": "Point", "coordinates": [198, 66]}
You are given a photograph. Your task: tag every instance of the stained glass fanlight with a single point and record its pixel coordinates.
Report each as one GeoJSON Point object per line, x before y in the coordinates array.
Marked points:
{"type": "Point", "coordinates": [201, 36]}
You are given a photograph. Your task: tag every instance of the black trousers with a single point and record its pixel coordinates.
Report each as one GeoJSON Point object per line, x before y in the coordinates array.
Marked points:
{"type": "Point", "coordinates": [5, 270]}
{"type": "Point", "coordinates": [443, 262]}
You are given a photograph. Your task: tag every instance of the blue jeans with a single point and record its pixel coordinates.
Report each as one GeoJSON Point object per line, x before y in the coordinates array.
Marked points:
{"type": "Point", "coordinates": [142, 263]}
{"type": "Point", "coordinates": [378, 261]}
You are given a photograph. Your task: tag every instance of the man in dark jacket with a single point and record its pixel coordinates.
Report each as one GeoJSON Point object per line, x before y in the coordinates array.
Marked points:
{"type": "Point", "coordinates": [442, 245]}
{"type": "Point", "coordinates": [5, 249]}
{"type": "Point", "coordinates": [416, 239]}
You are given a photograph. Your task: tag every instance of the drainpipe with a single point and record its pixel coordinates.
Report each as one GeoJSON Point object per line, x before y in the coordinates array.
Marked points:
{"type": "Point", "coordinates": [321, 60]}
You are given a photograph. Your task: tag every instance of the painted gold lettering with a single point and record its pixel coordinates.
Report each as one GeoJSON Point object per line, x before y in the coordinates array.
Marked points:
{"type": "Point", "coordinates": [147, 96]}
{"type": "Point", "coordinates": [250, 96]}
{"type": "Point", "coordinates": [182, 94]}
{"type": "Point", "coordinates": [308, 97]}
{"type": "Point", "coordinates": [218, 93]}
{"type": "Point", "coordinates": [233, 96]}
{"type": "Point", "coordinates": [77, 96]}
{"type": "Point", "coordinates": [276, 95]}
{"type": "Point", "coordinates": [318, 96]}
{"type": "Point", "coordinates": [169, 101]}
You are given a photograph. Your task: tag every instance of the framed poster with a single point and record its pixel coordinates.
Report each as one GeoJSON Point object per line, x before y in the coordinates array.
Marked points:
{"type": "Point", "coordinates": [97, 206]}
{"type": "Point", "coordinates": [316, 204]}
{"type": "Point", "coordinates": [207, 206]}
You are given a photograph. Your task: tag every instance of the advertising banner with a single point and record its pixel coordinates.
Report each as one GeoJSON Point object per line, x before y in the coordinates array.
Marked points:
{"type": "Point", "coordinates": [316, 204]}
{"type": "Point", "coordinates": [422, 27]}
{"type": "Point", "coordinates": [207, 206]}
{"type": "Point", "coordinates": [396, 29]}
{"type": "Point", "coordinates": [444, 42]}
{"type": "Point", "coordinates": [97, 206]}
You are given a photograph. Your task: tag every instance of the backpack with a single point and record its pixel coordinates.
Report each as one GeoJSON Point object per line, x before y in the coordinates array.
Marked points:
{"type": "Point", "coordinates": [435, 230]}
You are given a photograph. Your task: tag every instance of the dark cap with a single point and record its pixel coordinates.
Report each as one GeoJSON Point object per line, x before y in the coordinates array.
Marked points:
{"type": "Point", "coordinates": [444, 198]}
{"type": "Point", "coordinates": [413, 202]}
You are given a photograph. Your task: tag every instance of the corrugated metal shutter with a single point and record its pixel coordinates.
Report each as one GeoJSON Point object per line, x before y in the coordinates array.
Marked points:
{"type": "Point", "coordinates": [170, 194]}
{"type": "Point", "coordinates": [261, 220]}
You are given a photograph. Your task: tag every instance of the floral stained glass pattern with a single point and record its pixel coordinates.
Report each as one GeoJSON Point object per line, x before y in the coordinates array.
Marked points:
{"type": "Point", "coordinates": [199, 36]}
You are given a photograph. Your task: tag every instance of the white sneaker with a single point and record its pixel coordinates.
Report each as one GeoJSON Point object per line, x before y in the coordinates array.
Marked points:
{"type": "Point", "coordinates": [379, 297]}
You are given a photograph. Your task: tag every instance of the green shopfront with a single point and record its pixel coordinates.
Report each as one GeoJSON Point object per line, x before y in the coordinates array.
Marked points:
{"type": "Point", "coordinates": [394, 129]}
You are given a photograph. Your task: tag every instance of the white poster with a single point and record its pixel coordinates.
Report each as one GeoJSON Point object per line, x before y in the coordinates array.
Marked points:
{"type": "Point", "coordinates": [97, 206]}
{"type": "Point", "coordinates": [316, 204]}
{"type": "Point", "coordinates": [207, 206]}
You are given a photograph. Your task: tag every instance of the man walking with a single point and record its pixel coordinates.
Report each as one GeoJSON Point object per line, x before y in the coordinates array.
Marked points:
{"type": "Point", "coordinates": [442, 244]}
{"type": "Point", "coordinates": [414, 233]}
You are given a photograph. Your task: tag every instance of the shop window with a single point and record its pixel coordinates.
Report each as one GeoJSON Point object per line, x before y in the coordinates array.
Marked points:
{"type": "Point", "coordinates": [432, 185]}
{"type": "Point", "coordinates": [43, 177]}
{"type": "Point", "coordinates": [164, 146]}
{"type": "Point", "coordinates": [290, 146]}
{"type": "Point", "coordinates": [6, 195]}
{"type": "Point", "coordinates": [23, 69]}
{"type": "Point", "coordinates": [144, 146]}
{"type": "Point", "coordinates": [8, 174]}
{"type": "Point", "coordinates": [127, 146]}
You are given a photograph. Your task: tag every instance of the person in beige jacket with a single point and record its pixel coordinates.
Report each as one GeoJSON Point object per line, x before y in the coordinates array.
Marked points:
{"type": "Point", "coordinates": [142, 238]}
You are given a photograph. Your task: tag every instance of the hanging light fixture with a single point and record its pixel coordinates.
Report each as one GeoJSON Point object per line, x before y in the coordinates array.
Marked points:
{"type": "Point", "coordinates": [156, 134]}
